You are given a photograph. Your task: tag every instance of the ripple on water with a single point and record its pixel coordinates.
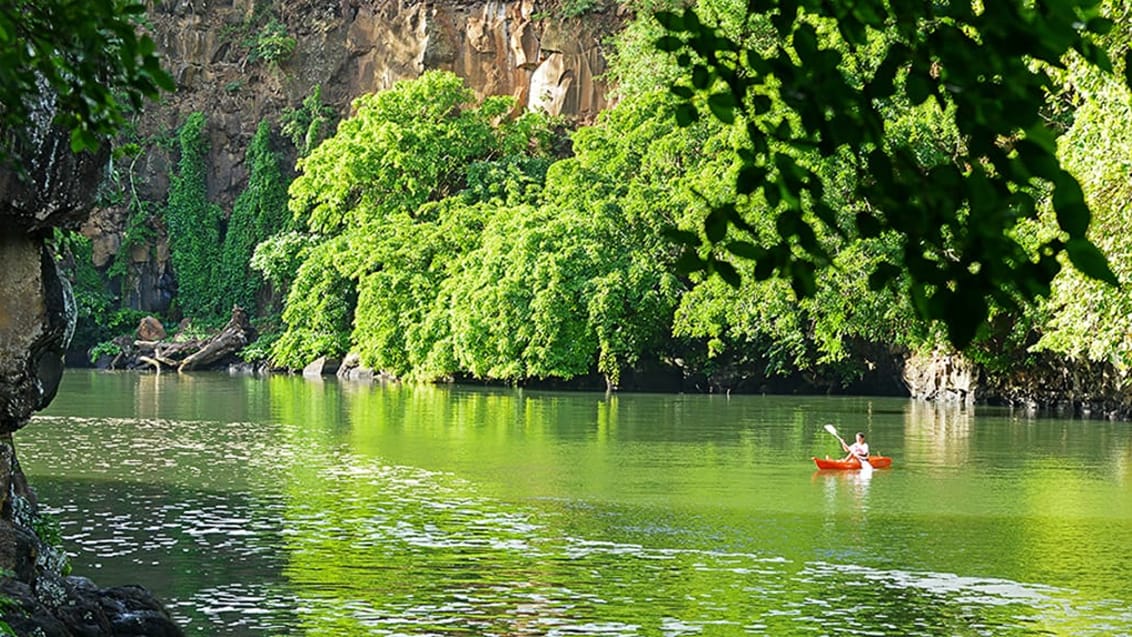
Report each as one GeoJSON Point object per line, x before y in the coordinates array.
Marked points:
{"type": "Point", "coordinates": [283, 536]}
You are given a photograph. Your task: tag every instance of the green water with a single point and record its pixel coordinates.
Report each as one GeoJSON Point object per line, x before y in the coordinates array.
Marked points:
{"type": "Point", "coordinates": [282, 506]}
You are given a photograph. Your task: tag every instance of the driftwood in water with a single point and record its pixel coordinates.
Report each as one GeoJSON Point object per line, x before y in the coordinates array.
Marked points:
{"type": "Point", "coordinates": [235, 335]}
{"type": "Point", "coordinates": [191, 354]}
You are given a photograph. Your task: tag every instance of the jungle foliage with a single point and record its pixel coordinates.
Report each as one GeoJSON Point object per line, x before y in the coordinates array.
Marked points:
{"type": "Point", "coordinates": [211, 255]}
{"type": "Point", "coordinates": [898, 198]}
{"type": "Point", "coordinates": [863, 158]}
{"type": "Point", "coordinates": [825, 87]}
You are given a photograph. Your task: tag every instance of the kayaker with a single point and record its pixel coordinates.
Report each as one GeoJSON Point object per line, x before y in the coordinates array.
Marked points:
{"type": "Point", "coordinates": [860, 448]}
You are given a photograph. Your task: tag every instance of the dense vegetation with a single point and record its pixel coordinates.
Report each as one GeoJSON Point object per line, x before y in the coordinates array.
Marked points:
{"type": "Point", "coordinates": [438, 237]}
{"type": "Point", "coordinates": [90, 56]}
{"type": "Point", "coordinates": [824, 88]}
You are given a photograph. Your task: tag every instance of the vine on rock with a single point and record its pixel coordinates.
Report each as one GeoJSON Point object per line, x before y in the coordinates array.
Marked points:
{"type": "Point", "coordinates": [194, 228]}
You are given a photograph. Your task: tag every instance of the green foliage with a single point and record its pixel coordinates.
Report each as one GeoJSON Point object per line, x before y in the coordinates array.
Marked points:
{"type": "Point", "coordinates": [272, 44]}
{"type": "Point", "coordinates": [259, 212]}
{"type": "Point", "coordinates": [105, 348]}
{"type": "Point", "coordinates": [89, 54]}
{"type": "Point", "coordinates": [308, 125]}
{"type": "Point", "coordinates": [194, 229]}
{"type": "Point", "coordinates": [812, 97]}
{"type": "Point", "coordinates": [269, 329]}
{"type": "Point", "coordinates": [319, 309]}
{"type": "Point", "coordinates": [1090, 320]}
{"type": "Point", "coordinates": [279, 256]}
{"type": "Point", "coordinates": [403, 147]}
{"type": "Point", "coordinates": [137, 231]}
{"type": "Point", "coordinates": [365, 190]}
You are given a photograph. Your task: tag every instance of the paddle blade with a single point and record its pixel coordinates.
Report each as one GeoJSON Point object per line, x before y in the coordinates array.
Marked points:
{"type": "Point", "coordinates": [831, 429]}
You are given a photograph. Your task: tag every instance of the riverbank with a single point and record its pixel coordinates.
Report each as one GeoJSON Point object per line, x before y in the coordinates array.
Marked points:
{"type": "Point", "coordinates": [1041, 383]}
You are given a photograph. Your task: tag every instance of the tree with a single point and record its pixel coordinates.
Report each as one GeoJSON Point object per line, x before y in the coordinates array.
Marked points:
{"type": "Point", "coordinates": [367, 193]}
{"type": "Point", "coordinates": [87, 53]}
{"type": "Point", "coordinates": [826, 89]}
{"type": "Point", "coordinates": [1090, 320]}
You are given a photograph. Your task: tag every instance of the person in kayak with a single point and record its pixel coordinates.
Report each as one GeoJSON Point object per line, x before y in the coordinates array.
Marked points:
{"type": "Point", "coordinates": [859, 449]}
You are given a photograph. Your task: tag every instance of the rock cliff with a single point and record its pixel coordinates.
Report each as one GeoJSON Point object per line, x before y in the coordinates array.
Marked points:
{"type": "Point", "coordinates": [215, 50]}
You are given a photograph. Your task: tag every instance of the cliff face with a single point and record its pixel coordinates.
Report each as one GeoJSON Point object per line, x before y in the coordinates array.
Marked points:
{"type": "Point", "coordinates": [348, 48]}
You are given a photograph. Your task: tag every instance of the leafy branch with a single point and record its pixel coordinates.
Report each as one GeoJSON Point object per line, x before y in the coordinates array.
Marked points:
{"type": "Point", "coordinates": [795, 104]}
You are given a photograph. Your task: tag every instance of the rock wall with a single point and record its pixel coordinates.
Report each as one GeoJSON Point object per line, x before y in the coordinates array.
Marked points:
{"type": "Point", "coordinates": [348, 48]}
{"type": "Point", "coordinates": [1067, 387]}
{"type": "Point", "coordinates": [941, 376]}
{"type": "Point", "coordinates": [1042, 383]}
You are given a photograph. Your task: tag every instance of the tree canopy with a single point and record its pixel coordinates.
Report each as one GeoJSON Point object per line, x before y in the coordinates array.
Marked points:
{"type": "Point", "coordinates": [831, 83]}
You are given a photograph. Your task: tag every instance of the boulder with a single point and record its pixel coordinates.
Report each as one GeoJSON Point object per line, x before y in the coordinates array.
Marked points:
{"type": "Point", "coordinates": [151, 329]}
{"type": "Point", "coordinates": [37, 318]}
{"type": "Point", "coordinates": [322, 366]}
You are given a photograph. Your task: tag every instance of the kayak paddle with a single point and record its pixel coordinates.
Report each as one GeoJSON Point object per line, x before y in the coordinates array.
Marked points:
{"type": "Point", "coordinates": [830, 428]}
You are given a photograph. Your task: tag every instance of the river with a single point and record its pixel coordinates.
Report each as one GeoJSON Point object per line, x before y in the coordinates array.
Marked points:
{"type": "Point", "coordinates": [284, 506]}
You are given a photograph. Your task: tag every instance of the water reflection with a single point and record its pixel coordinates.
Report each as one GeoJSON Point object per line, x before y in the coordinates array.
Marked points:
{"type": "Point", "coordinates": [283, 508]}
{"type": "Point", "coordinates": [938, 434]}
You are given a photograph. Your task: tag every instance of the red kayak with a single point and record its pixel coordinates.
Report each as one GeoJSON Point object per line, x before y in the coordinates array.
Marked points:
{"type": "Point", "coordinates": [878, 462]}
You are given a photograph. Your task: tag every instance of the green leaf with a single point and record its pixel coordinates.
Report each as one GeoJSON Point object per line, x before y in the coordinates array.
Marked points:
{"type": "Point", "coordinates": [1037, 159]}
{"type": "Point", "coordinates": [690, 262]}
{"type": "Point", "coordinates": [757, 63]}
{"type": "Point", "coordinates": [773, 193]}
{"type": "Point", "coordinates": [749, 179]}
{"type": "Point", "coordinates": [682, 237]}
{"type": "Point", "coordinates": [670, 21]}
{"type": "Point", "coordinates": [1087, 258]}
{"type": "Point", "coordinates": [727, 272]}
{"type": "Point", "coordinates": [723, 105]}
{"type": "Point", "coordinates": [1128, 68]}
{"type": "Point", "coordinates": [669, 43]}
{"type": "Point", "coordinates": [1069, 202]}
{"type": "Point", "coordinates": [917, 87]}
{"type": "Point", "coordinates": [1099, 25]}
{"type": "Point", "coordinates": [686, 115]}
{"type": "Point", "coordinates": [802, 279]}
{"type": "Point", "coordinates": [963, 312]}
{"type": "Point", "coordinates": [745, 249]}
{"type": "Point", "coordinates": [761, 104]}
{"type": "Point", "coordinates": [882, 275]}
{"type": "Point", "coordinates": [715, 225]}
{"type": "Point", "coordinates": [868, 225]}
{"type": "Point", "coordinates": [83, 139]}
{"type": "Point", "coordinates": [683, 92]}
{"type": "Point", "coordinates": [701, 77]}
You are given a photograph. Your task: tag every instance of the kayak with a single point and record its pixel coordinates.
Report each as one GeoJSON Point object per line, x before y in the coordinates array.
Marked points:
{"type": "Point", "coordinates": [878, 462]}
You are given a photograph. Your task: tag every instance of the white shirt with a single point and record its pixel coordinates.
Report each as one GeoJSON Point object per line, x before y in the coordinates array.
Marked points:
{"type": "Point", "coordinates": [859, 449]}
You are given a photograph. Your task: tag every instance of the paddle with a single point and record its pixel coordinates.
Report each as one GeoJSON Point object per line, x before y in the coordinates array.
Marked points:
{"type": "Point", "coordinates": [830, 428]}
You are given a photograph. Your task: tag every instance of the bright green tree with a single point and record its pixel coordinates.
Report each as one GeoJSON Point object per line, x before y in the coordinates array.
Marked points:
{"type": "Point", "coordinates": [363, 190]}
{"type": "Point", "coordinates": [1089, 320]}
{"type": "Point", "coordinates": [984, 66]}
